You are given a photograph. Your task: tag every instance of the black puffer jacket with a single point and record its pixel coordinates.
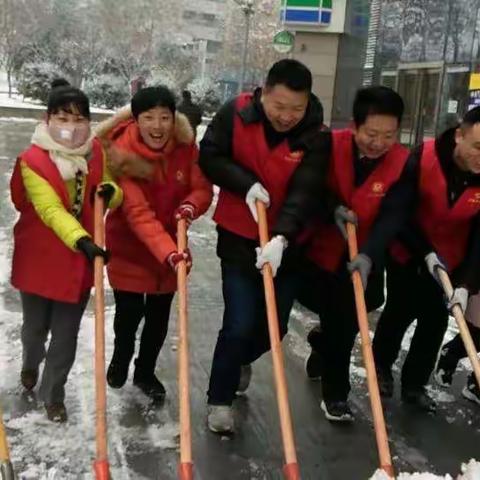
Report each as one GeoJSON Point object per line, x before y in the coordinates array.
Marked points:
{"type": "Point", "coordinates": [307, 187]}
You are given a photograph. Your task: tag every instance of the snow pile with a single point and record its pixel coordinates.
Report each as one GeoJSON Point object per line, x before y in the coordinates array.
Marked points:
{"type": "Point", "coordinates": [471, 470]}
{"type": "Point", "coordinates": [381, 475]}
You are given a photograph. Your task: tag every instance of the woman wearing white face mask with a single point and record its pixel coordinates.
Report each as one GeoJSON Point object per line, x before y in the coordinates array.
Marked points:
{"type": "Point", "coordinates": [53, 186]}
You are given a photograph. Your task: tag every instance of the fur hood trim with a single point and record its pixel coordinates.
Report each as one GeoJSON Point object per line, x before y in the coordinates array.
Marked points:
{"type": "Point", "coordinates": [183, 130]}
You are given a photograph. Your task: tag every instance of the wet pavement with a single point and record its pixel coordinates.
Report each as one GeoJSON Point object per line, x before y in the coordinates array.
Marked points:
{"type": "Point", "coordinates": [143, 438]}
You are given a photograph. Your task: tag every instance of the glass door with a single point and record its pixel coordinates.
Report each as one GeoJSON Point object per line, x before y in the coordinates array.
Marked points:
{"type": "Point", "coordinates": [419, 89]}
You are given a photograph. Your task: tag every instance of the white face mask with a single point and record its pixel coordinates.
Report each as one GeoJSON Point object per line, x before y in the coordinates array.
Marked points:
{"type": "Point", "coordinates": [69, 135]}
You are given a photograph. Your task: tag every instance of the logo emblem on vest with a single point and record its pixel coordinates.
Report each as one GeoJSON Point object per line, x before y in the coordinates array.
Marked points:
{"type": "Point", "coordinates": [294, 157]}
{"type": "Point", "coordinates": [475, 198]}
{"type": "Point", "coordinates": [180, 176]}
{"type": "Point", "coordinates": [378, 189]}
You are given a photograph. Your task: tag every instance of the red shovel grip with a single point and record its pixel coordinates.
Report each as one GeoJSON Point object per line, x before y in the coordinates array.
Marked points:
{"type": "Point", "coordinates": [102, 470]}
{"type": "Point", "coordinates": [291, 471]}
{"type": "Point", "coordinates": [185, 471]}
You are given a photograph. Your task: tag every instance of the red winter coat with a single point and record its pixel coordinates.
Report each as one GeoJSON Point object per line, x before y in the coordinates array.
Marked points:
{"type": "Point", "coordinates": [42, 263]}
{"type": "Point", "coordinates": [141, 234]}
{"type": "Point", "coordinates": [328, 247]}
{"type": "Point", "coordinates": [272, 167]}
{"type": "Point", "coordinates": [446, 228]}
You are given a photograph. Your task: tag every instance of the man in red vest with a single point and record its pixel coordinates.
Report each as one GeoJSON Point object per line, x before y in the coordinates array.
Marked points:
{"type": "Point", "coordinates": [365, 163]}
{"type": "Point", "coordinates": [257, 148]}
{"type": "Point", "coordinates": [443, 194]}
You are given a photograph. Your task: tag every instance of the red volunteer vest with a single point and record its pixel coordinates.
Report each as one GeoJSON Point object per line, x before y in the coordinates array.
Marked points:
{"type": "Point", "coordinates": [446, 228]}
{"type": "Point", "coordinates": [42, 263]}
{"type": "Point", "coordinates": [328, 246]}
{"type": "Point", "coordinates": [273, 168]}
{"type": "Point", "coordinates": [164, 198]}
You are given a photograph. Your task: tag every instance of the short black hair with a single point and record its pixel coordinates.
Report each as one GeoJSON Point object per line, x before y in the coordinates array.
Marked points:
{"type": "Point", "coordinates": [151, 97]}
{"type": "Point", "coordinates": [70, 99]}
{"type": "Point", "coordinates": [291, 73]}
{"type": "Point", "coordinates": [471, 117]}
{"type": "Point", "coordinates": [377, 100]}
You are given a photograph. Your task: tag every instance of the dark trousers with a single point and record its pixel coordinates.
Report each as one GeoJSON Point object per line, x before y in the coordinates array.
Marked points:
{"type": "Point", "coordinates": [42, 316]}
{"type": "Point", "coordinates": [412, 293]}
{"type": "Point", "coordinates": [130, 308]}
{"type": "Point", "coordinates": [244, 335]}
{"type": "Point", "coordinates": [454, 350]}
{"type": "Point", "coordinates": [331, 296]}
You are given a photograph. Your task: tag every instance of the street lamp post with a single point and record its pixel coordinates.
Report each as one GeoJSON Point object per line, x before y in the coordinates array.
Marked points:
{"type": "Point", "coordinates": [248, 11]}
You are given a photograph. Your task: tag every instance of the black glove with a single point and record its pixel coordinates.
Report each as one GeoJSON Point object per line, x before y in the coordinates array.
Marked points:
{"type": "Point", "coordinates": [106, 191]}
{"type": "Point", "coordinates": [90, 250]}
{"type": "Point", "coordinates": [363, 265]}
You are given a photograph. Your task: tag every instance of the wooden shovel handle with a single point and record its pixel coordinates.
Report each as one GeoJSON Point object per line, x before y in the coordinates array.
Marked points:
{"type": "Point", "coordinates": [183, 356]}
{"type": "Point", "coordinates": [372, 381]}
{"type": "Point", "coordinates": [100, 386]}
{"type": "Point", "coordinates": [277, 354]}
{"type": "Point", "coordinates": [462, 323]}
{"type": "Point", "coordinates": [4, 450]}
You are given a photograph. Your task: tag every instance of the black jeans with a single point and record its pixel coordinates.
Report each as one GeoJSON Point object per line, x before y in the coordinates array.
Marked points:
{"type": "Point", "coordinates": [130, 308]}
{"type": "Point", "coordinates": [331, 296]}
{"type": "Point", "coordinates": [244, 335]}
{"type": "Point", "coordinates": [412, 293]}
{"type": "Point", "coordinates": [454, 350]}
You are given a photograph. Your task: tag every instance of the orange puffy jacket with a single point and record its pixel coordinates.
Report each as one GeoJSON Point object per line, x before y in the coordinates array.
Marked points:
{"type": "Point", "coordinates": [140, 235]}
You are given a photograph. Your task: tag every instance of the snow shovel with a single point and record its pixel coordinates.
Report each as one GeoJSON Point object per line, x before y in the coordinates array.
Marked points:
{"type": "Point", "coordinates": [291, 470]}
{"type": "Point", "coordinates": [461, 322]}
{"type": "Point", "coordinates": [367, 352]}
{"type": "Point", "coordinates": [185, 470]}
{"type": "Point", "coordinates": [101, 466]}
{"type": "Point", "coordinates": [6, 468]}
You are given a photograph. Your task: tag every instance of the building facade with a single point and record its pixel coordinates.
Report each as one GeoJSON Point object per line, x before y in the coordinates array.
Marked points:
{"type": "Point", "coordinates": [428, 50]}
{"type": "Point", "coordinates": [331, 39]}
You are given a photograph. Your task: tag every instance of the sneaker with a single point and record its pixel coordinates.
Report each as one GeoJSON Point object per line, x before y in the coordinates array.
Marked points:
{"type": "Point", "coordinates": [29, 379]}
{"type": "Point", "coordinates": [420, 399]}
{"type": "Point", "coordinates": [245, 377]}
{"type": "Point", "coordinates": [385, 382]}
{"type": "Point", "coordinates": [471, 391]}
{"type": "Point", "coordinates": [56, 412]}
{"type": "Point", "coordinates": [220, 418]}
{"type": "Point", "coordinates": [312, 366]}
{"type": "Point", "coordinates": [117, 375]}
{"type": "Point", "coordinates": [337, 411]}
{"type": "Point", "coordinates": [152, 387]}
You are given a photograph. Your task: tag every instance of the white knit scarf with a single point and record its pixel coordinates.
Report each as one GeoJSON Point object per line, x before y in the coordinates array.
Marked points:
{"type": "Point", "coordinates": [68, 161]}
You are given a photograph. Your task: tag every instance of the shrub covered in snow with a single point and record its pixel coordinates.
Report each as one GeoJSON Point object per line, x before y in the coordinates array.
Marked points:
{"type": "Point", "coordinates": [206, 93]}
{"type": "Point", "coordinates": [35, 78]}
{"type": "Point", "coordinates": [162, 76]}
{"type": "Point", "coordinates": [108, 91]}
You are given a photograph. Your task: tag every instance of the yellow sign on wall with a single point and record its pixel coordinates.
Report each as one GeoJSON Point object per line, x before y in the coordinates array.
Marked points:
{"type": "Point", "coordinates": [474, 81]}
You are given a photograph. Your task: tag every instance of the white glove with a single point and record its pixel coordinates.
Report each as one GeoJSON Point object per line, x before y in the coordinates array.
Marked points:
{"type": "Point", "coordinates": [257, 192]}
{"type": "Point", "coordinates": [460, 298]}
{"type": "Point", "coordinates": [271, 253]}
{"type": "Point", "coordinates": [433, 262]}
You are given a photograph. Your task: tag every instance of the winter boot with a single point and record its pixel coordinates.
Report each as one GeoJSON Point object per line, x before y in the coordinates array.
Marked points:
{"type": "Point", "coordinates": [117, 374]}
{"type": "Point", "coordinates": [56, 412]}
{"type": "Point", "coordinates": [337, 410]}
{"type": "Point", "coordinates": [29, 379]}
{"type": "Point", "coordinates": [471, 391]}
{"type": "Point", "coordinates": [245, 378]}
{"type": "Point", "coordinates": [220, 418]}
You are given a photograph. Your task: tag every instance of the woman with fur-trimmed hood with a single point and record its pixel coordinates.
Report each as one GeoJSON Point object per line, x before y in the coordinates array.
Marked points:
{"type": "Point", "coordinates": [162, 183]}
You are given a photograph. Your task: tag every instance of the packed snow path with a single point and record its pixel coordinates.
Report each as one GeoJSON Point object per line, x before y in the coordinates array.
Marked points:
{"type": "Point", "coordinates": [143, 440]}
